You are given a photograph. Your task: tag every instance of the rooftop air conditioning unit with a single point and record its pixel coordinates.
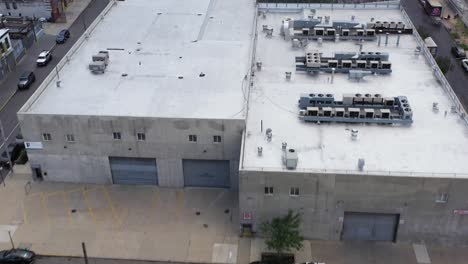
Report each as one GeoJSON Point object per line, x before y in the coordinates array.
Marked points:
{"type": "Point", "coordinates": [290, 159]}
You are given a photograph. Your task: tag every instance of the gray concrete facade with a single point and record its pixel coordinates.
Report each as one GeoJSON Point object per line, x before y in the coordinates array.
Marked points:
{"type": "Point", "coordinates": [87, 159]}
{"type": "Point", "coordinates": [324, 198]}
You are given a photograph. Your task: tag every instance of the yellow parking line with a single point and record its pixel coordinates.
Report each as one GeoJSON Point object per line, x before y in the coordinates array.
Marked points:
{"type": "Point", "coordinates": [155, 198]}
{"type": "Point", "coordinates": [180, 203]}
{"type": "Point", "coordinates": [46, 208]}
{"type": "Point", "coordinates": [74, 190]}
{"type": "Point", "coordinates": [65, 201]}
{"type": "Point", "coordinates": [25, 214]}
{"type": "Point", "coordinates": [54, 193]}
{"type": "Point", "coordinates": [35, 194]}
{"type": "Point", "coordinates": [91, 212]}
{"type": "Point", "coordinates": [111, 206]}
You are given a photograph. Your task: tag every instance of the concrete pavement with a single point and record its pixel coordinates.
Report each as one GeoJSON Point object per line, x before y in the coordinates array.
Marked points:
{"type": "Point", "coordinates": [127, 222]}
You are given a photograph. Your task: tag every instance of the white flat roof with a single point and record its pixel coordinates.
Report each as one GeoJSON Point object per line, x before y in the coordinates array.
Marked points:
{"type": "Point", "coordinates": [434, 143]}
{"type": "Point", "coordinates": [155, 42]}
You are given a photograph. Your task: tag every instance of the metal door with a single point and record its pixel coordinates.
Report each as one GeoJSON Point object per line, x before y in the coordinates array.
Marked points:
{"type": "Point", "coordinates": [369, 226]}
{"type": "Point", "coordinates": [140, 171]}
{"type": "Point", "coordinates": [206, 173]}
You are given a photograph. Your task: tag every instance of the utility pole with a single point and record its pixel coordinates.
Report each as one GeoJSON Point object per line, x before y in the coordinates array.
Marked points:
{"type": "Point", "coordinates": [84, 253]}
{"type": "Point", "coordinates": [11, 240]}
{"type": "Point", "coordinates": [4, 143]}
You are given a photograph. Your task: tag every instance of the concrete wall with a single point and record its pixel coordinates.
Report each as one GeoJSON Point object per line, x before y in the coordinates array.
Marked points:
{"type": "Point", "coordinates": [325, 197]}
{"type": "Point", "coordinates": [86, 160]}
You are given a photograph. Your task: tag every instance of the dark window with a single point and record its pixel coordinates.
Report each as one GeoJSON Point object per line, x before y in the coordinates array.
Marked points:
{"type": "Point", "coordinates": [117, 135]}
{"type": "Point", "coordinates": [294, 191]}
{"type": "Point", "coordinates": [15, 6]}
{"type": "Point", "coordinates": [7, 5]}
{"type": "Point", "coordinates": [70, 138]}
{"type": "Point", "coordinates": [141, 136]}
{"type": "Point", "coordinates": [217, 139]}
{"type": "Point", "coordinates": [46, 137]}
{"type": "Point", "coordinates": [7, 43]}
{"type": "Point", "coordinates": [192, 138]}
{"type": "Point", "coordinates": [268, 190]}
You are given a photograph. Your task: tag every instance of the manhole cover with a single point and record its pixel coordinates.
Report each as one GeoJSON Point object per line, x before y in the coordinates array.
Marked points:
{"type": "Point", "coordinates": [73, 210]}
{"type": "Point", "coordinates": [226, 211]}
{"type": "Point", "coordinates": [205, 225]}
{"type": "Point", "coordinates": [197, 213]}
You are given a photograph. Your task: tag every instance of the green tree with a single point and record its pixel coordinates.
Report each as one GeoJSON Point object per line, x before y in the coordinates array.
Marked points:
{"type": "Point", "coordinates": [282, 233]}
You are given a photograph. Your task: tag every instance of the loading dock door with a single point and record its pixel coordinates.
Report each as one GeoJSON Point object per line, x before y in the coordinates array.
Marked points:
{"type": "Point", "coordinates": [206, 173]}
{"type": "Point", "coordinates": [369, 226]}
{"type": "Point", "coordinates": [140, 171]}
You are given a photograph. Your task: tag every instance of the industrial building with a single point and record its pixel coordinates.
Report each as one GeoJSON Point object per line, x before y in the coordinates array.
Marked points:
{"type": "Point", "coordinates": [363, 137]}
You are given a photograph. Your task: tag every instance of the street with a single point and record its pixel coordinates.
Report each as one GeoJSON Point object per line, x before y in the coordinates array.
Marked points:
{"type": "Point", "coordinates": [457, 76]}
{"type": "Point", "coordinates": [11, 100]}
{"type": "Point", "coordinates": [69, 260]}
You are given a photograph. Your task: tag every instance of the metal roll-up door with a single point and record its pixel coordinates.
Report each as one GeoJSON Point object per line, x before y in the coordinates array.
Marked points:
{"type": "Point", "coordinates": [206, 173]}
{"type": "Point", "coordinates": [370, 226]}
{"type": "Point", "coordinates": [140, 171]}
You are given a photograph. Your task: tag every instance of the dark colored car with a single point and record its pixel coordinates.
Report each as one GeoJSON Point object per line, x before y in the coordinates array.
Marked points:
{"type": "Point", "coordinates": [62, 36]}
{"type": "Point", "coordinates": [26, 79]}
{"type": "Point", "coordinates": [458, 52]}
{"type": "Point", "coordinates": [17, 256]}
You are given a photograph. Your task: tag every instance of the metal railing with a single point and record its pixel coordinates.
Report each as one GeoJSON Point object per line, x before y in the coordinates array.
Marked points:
{"type": "Point", "coordinates": [424, 174]}
{"type": "Point", "coordinates": [288, 7]}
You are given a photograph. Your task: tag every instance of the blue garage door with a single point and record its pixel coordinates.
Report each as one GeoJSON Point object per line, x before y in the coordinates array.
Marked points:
{"type": "Point", "coordinates": [206, 173]}
{"type": "Point", "coordinates": [141, 171]}
{"type": "Point", "coordinates": [369, 226]}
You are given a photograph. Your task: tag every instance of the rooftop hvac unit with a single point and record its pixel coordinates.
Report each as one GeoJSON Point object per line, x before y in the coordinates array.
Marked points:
{"type": "Point", "coordinates": [290, 159]}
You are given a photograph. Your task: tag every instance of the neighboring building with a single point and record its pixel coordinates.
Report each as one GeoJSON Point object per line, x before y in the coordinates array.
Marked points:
{"type": "Point", "coordinates": [7, 60]}
{"type": "Point", "coordinates": [190, 91]}
{"type": "Point", "coordinates": [51, 10]}
{"type": "Point", "coordinates": [168, 110]}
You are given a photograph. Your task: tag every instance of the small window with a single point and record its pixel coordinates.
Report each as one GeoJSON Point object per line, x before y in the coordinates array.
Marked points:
{"type": "Point", "coordinates": [294, 191]}
{"type": "Point", "coordinates": [15, 6]}
{"type": "Point", "coordinates": [442, 198]}
{"type": "Point", "coordinates": [141, 136]}
{"type": "Point", "coordinates": [268, 190]}
{"type": "Point", "coordinates": [7, 5]}
{"type": "Point", "coordinates": [117, 135]}
{"type": "Point", "coordinates": [217, 139]}
{"type": "Point", "coordinates": [192, 138]}
{"type": "Point", "coordinates": [70, 137]}
{"type": "Point", "coordinates": [7, 43]}
{"type": "Point", "coordinates": [46, 137]}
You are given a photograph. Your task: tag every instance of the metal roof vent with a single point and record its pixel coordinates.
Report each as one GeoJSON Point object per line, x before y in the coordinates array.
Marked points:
{"type": "Point", "coordinates": [259, 65]}
{"type": "Point", "coordinates": [354, 134]}
{"type": "Point", "coordinates": [290, 159]}
{"type": "Point", "coordinates": [288, 75]}
{"type": "Point", "coordinates": [259, 151]}
{"type": "Point", "coordinates": [361, 163]}
{"type": "Point", "coordinates": [269, 134]}
{"type": "Point", "coordinates": [284, 145]}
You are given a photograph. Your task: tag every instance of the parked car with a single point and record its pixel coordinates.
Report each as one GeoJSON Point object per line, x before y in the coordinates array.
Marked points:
{"type": "Point", "coordinates": [62, 36]}
{"type": "Point", "coordinates": [458, 52]}
{"type": "Point", "coordinates": [44, 58]}
{"type": "Point", "coordinates": [17, 256]}
{"type": "Point", "coordinates": [464, 64]}
{"type": "Point", "coordinates": [26, 79]}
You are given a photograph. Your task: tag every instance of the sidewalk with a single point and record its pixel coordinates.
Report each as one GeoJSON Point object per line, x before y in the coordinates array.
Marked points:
{"type": "Point", "coordinates": [128, 222]}
{"type": "Point", "coordinates": [72, 13]}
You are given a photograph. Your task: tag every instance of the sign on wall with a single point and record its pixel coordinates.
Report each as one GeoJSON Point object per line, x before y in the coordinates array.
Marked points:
{"type": "Point", "coordinates": [247, 216]}
{"type": "Point", "coordinates": [33, 145]}
{"type": "Point", "coordinates": [460, 212]}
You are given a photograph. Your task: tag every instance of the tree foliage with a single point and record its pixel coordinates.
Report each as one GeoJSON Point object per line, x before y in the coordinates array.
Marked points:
{"type": "Point", "coordinates": [282, 233]}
